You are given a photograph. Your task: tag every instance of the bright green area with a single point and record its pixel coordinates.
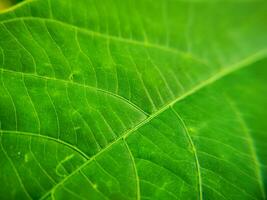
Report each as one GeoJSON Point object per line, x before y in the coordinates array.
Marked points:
{"type": "Point", "coordinates": [133, 99]}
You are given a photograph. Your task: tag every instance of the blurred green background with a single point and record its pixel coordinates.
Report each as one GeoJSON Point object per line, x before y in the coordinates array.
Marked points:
{"type": "Point", "coordinates": [4, 4]}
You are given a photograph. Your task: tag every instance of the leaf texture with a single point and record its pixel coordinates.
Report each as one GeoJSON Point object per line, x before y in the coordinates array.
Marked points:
{"type": "Point", "coordinates": [111, 99]}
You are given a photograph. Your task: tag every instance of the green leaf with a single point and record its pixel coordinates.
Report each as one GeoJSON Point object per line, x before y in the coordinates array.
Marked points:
{"type": "Point", "coordinates": [133, 99]}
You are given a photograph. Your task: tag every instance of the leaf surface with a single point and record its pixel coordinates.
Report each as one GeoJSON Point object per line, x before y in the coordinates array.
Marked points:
{"type": "Point", "coordinates": [133, 99]}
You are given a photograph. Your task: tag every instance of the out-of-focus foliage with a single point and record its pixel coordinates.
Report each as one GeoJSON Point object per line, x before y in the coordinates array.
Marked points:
{"type": "Point", "coordinates": [4, 4]}
{"type": "Point", "coordinates": [133, 99]}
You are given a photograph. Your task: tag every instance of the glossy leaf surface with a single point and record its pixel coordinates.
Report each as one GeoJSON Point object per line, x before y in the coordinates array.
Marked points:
{"type": "Point", "coordinates": [133, 99]}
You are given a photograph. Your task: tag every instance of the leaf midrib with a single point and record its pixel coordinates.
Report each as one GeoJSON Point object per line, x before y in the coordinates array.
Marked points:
{"type": "Point", "coordinates": [227, 71]}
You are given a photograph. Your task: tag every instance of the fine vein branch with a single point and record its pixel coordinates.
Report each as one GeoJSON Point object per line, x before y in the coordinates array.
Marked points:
{"type": "Point", "coordinates": [109, 37]}
{"type": "Point", "coordinates": [77, 84]}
